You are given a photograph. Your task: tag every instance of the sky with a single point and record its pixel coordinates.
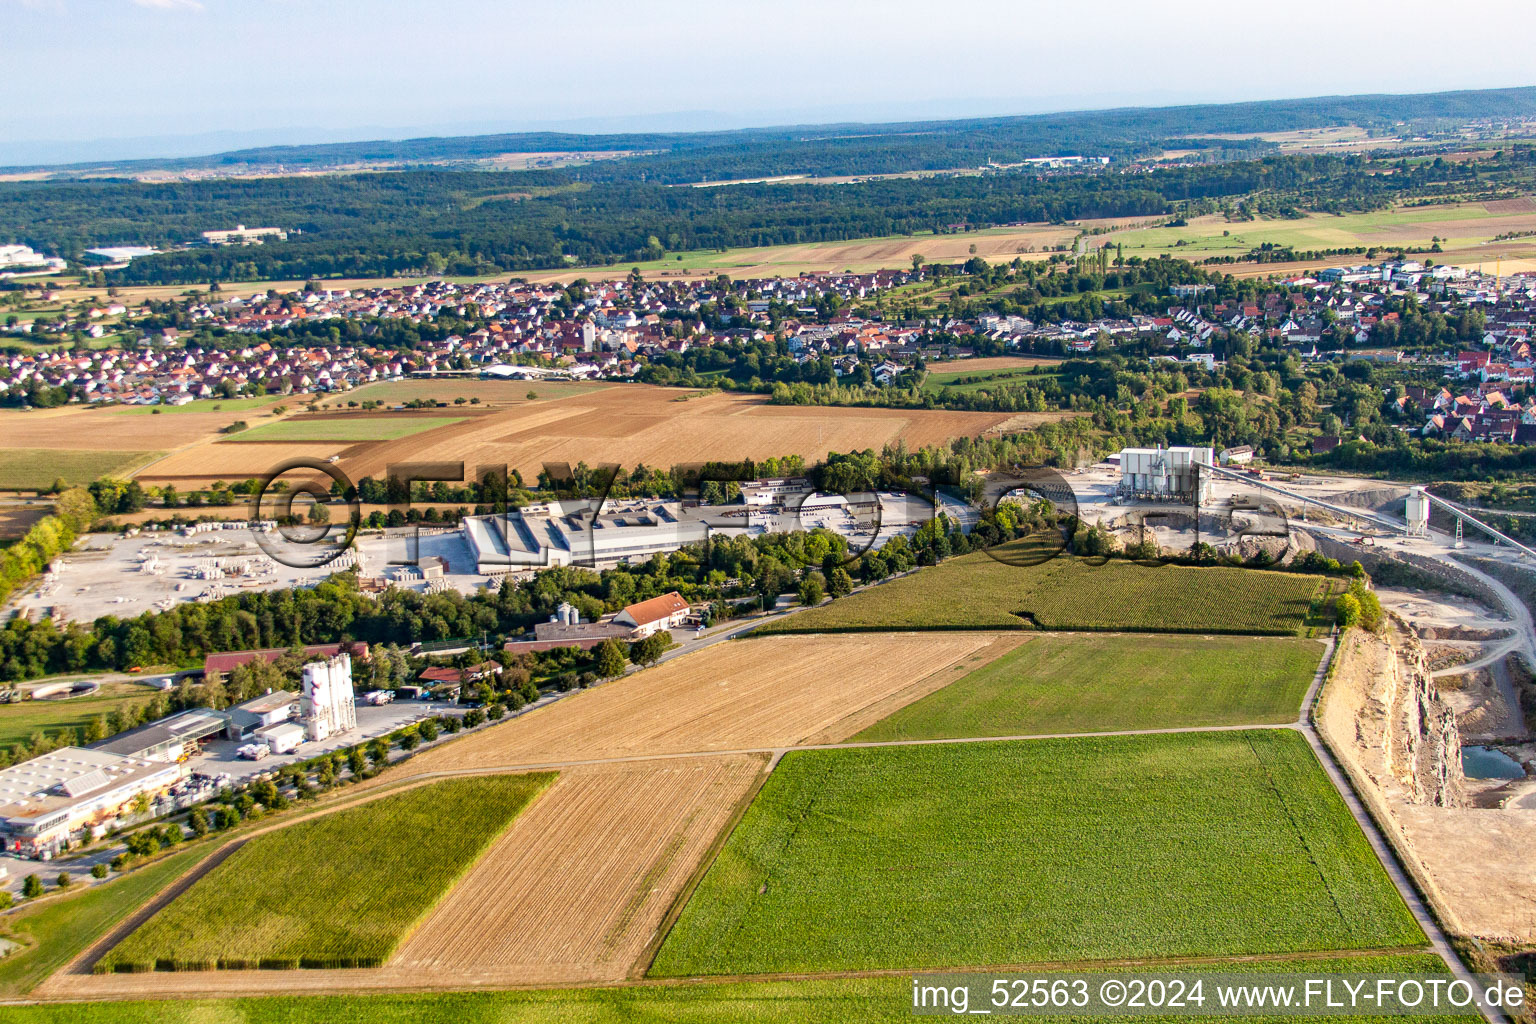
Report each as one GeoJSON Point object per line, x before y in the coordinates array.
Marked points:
{"type": "Point", "coordinates": [118, 79]}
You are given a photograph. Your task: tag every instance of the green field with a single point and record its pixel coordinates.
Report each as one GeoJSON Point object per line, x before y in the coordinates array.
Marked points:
{"type": "Point", "coordinates": [20, 720]}
{"type": "Point", "coordinates": [361, 428]}
{"type": "Point", "coordinates": [883, 1000]}
{"type": "Point", "coordinates": [1067, 593]}
{"type": "Point", "coordinates": [948, 380]}
{"type": "Point", "coordinates": [201, 405]}
{"type": "Point", "coordinates": [1461, 225]}
{"type": "Point", "coordinates": [55, 931]}
{"type": "Point", "coordinates": [31, 468]}
{"type": "Point", "coordinates": [1065, 684]}
{"type": "Point", "coordinates": [930, 856]}
{"type": "Point", "coordinates": [340, 890]}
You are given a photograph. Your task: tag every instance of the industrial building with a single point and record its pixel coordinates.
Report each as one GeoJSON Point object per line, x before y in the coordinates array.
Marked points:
{"type": "Point", "coordinates": [169, 740]}
{"type": "Point", "coordinates": [242, 235]}
{"type": "Point", "coordinates": [569, 533]}
{"type": "Point", "coordinates": [1166, 474]}
{"type": "Point", "coordinates": [566, 533]}
{"type": "Point", "coordinates": [44, 802]}
{"type": "Point", "coordinates": [326, 704]}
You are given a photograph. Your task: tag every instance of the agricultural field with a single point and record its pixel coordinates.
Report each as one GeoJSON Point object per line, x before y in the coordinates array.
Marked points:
{"type": "Point", "coordinates": [127, 428]}
{"type": "Point", "coordinates": [52, 717]}
{"type": "Point", "coordinates": [880, 1000]}
{"type": "Point", "coordinates": [371, 871]}
{"type": "Point", "coordinates": [995, 245]}
{"type": "Point", "coordinates": [1456, 225]}
{"type": "Point", "coordinates": [18, 515]}
{"type": "Point", "coordinates": [626, 838]}
{"type": "Point", "coordinates": [964, 378]}
{"type": "Point", "coordinates": [623, 424]}
{"type": "Point", "coordinates": [39, 468]}
{"type": "Point", "coordinates": [55, 931]}
{"type": "Point", "coordinates": [745, 694]}
{"type": "Point", "coordinates": [490, 392]}
{"type": "Point", "coordinates": [978, 591]}
{"type": "Point", "coordinates": [205, 405]}
{"type": "Point", "coordinates": [1081, 683]}
{"type": "Point", "coordinates": [334, 428]}
{"type": "Point", "coordinates": [1173, 845]}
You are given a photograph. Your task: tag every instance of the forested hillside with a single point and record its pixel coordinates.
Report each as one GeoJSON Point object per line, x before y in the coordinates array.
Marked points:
{"type": "Point", "coordinates": [843, 149]}
{"type": "Point", "coordinates": [466, 222]}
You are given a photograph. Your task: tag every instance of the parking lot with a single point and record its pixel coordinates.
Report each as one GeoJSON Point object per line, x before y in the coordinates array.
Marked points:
{"type": "Point", "coordinates": [372, 721]}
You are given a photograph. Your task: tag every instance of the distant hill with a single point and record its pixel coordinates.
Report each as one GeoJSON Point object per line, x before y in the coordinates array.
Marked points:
{"type": "Point", "coordinates": [861, 149]}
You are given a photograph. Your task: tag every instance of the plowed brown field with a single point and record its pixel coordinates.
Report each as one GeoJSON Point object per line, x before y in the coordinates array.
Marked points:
{"type": "Point", "coordinates": [743, 694]}
{"type": "Point", "coordinates": [626, 424]}
{"type": "Point", "coordinates": [75, 427]}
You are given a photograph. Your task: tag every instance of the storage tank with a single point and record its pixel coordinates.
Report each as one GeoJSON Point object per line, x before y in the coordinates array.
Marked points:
{"type": "Point", "coordinates": [1418, 512]}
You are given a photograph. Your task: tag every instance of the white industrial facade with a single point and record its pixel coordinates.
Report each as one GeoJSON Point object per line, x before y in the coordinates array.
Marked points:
{"type": "Point", "coordinates": [326, 703]}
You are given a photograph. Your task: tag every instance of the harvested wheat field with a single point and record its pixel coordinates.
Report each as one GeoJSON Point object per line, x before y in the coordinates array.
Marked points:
{"type": "Point", "coordinates": [576, 891]}
{"type": "Point", "coordinates": [743, 694]}
{"type": "Point", "coordinates": [626, 424]}
{"type": "Point", "coordinates": [121, 428]}
{"type": "Point", "coordinates": [579, 888]}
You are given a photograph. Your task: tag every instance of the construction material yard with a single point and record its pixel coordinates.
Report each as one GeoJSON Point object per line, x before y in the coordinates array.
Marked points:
{"type": "Point", "coordinates": [1081, 683]}
{"type": "Point", "coordinates": [1174, 845]}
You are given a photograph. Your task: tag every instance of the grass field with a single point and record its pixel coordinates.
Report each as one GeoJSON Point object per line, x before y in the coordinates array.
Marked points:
{"type": "Point", "coordinates": [960, 380]}
{"type": "Point", "coordinates": [977, 591]}
{"type": "Point", "coordinates": [370, 873]}
{"type": "Point", "coordinates": [362, 428]}
{"type": "Point", "coordinates": [1178, 845]}
{"type": "Point", "coordinates": [20, 720]}
{"type": "Point", "coordinates": [30, 468]}
{"type": "Point", "coordinates": [55, 931]}
{"type": "Point", "coordinates": [883, 1000]}
{"type": "Point", "coordinates": [1062, 684]}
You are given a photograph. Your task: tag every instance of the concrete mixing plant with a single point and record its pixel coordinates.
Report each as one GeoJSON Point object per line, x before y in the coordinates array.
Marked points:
{"type": "Point", "coordinates": [1179, 474]}
{"type": "Point", "coordinates": [326, 703]}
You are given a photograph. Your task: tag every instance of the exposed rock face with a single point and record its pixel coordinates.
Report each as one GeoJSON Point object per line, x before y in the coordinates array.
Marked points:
{"type": "Point", "coordinates": [1403, 732]}
{"type": "Point", "coordinates": [1426, 746]}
